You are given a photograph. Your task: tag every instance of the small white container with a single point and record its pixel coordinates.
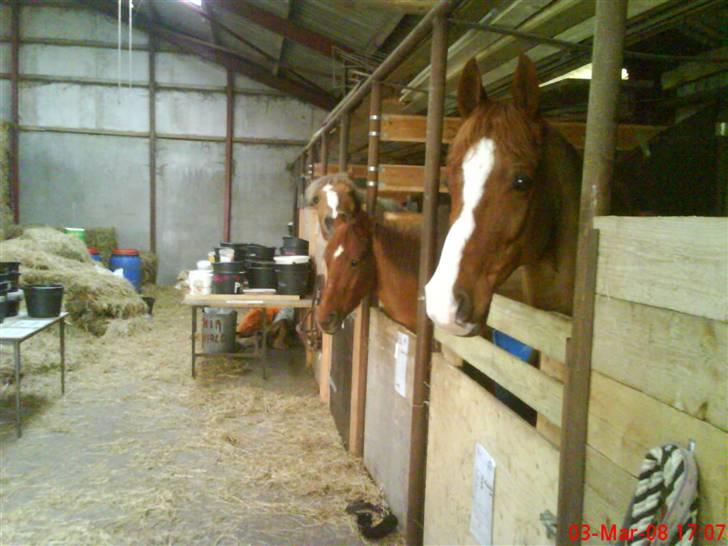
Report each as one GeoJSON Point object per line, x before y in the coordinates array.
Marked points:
{"type": "Point", "coordinates": [205, 265]}
{"type": "Point", "coordinates": [292, 259]}
{"type": "Point", "coordinates": [227, 254]}
{"type": "Point", "coordinates": [200, 281]}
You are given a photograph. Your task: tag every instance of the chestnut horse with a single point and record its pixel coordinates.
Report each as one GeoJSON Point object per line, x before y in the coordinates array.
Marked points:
{"type": "Point", "coordinates": [514, 183]}
{"type": "Point", "coordinates": [365, 255]}
{"type": "Point", "coordinates": [335, 196]}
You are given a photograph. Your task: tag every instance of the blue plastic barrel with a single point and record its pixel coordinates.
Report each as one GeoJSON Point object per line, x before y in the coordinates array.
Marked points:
{"type": "Point", "coordinates": [94, 252]}
{"type": "Point", "coordinates": [128, 259]}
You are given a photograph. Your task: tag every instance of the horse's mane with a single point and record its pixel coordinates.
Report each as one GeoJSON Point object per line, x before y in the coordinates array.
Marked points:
{"type": "Point", "coordinates": [402, 243]}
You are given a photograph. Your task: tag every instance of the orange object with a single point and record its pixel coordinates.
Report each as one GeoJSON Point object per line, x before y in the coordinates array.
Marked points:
{"type": "Point", "coordinates": [253, 321]}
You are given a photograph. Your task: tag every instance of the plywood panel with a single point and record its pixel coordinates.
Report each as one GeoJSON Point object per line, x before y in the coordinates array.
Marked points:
{"type": "Point", "coordinates": [462, 414]}
{"type": "Point", "coordinates": [679, 359]}
{"type": "Point", "coordinates": [388, 414]}
{"type": "Point", "coordinates": [542, 330]}
{"type": "Point", "coordinates": [675, 263]}
{"type": "Point", "coordinates": [535, 388]}
{"type": "Point", "coordinates": [392, 178]}
{"type": "Point", "coordinates": [624, 424]}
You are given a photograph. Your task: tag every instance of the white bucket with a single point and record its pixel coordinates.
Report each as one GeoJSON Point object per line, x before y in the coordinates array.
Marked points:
{"type": "Point", "coordinates": [200, 281]}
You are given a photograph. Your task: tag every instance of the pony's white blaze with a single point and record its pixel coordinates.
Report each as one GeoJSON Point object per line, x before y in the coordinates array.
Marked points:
{"type": "Point", "coordinates": [338, 252]}
{"type": "Point", "coordinates": [441, 304]}
{"type": "Point", "coordinates": [332, 199]}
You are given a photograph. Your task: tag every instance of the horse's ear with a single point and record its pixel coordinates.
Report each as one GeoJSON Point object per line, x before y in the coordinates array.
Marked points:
{"type": "Point", "coordinates": [470, 89]}
{"type": "Point", "coordinates": [525, 86]}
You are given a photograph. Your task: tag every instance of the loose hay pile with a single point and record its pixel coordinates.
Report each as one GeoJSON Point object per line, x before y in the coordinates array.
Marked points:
{"type": "Point", "coordinates": [103, 239]}
{"type": "Point", "coordinates": [149, 267]}
{"type": "Point", "coordinates": [92, 298]}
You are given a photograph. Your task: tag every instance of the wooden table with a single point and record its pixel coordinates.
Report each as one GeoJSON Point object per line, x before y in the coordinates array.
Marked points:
{"type": "Point", "coordinates": [242, 301]}
{"type": "Point", "coordinates": [15, 330]}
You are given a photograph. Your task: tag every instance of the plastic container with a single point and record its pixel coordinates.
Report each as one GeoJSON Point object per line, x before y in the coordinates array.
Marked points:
{"type": "Point", "coordinates": [293, 246]}
{"type": "Point", "coordinates": [149, 300]}
{"type": "Point", "coordinates": [227, 283]}
{"type": "Point", "coordinates": [128, 259]}
{"type": "Point", "coordinates": [77, 232]}
{"type": "Point", "coordinates": [14, 299]}
{"type": "Point", "coordinates": [228, 267]}
{"type": "Point", "coordinates": [292, 259]}
{"type": "Point", "coordinates": [512, 345]}
{"type": "Point", "coordinates": [10, 271]}
{"type": "Point", "coordinates": [218, 330]}
{"type": "Point", "coordinates": [3, 307]}
{"type": "Point", "coordinates": [259, 252]}
{"type": "Point", "coordinates": [94, 253]}
{"type": "Point", "coordinates": [261, 274]}
{"type": "Point", "coordinates": [200, 281]}
{"type": "Point", "coordinates": [239, 248]}
{"type": "Point", "coordinates": [43, 300]}
{"type": "Point", "coordinates": [293, 279]}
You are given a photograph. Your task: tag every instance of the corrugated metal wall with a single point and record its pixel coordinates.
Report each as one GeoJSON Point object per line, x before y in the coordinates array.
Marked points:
{"type": "Point", "coordinates": [84, 147]}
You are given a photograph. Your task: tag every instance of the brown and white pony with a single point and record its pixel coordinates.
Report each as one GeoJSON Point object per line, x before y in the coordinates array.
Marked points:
{"type": "Point", "coordinates": [514, 183]}
{"type": "Point", "coordinates": [336, 197]}
{"type": "Point", "coordinates": [365, 256]}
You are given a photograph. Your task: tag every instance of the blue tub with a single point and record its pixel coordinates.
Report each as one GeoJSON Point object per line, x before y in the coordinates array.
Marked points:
{"type": "Point", "coordinates": [128, 259]}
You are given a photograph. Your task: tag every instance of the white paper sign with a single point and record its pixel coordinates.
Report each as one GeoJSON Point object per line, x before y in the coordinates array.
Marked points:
{"type": "Point", "coordinates": [481, 513]}
{"type": "Point", "coordinates": [401, 349]}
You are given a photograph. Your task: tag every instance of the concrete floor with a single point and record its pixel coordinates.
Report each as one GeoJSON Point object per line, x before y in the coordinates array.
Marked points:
{"type": "Point", "coordinates": [137, 452]}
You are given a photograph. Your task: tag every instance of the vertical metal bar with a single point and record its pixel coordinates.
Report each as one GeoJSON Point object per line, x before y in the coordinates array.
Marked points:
{"type": "Point", "coordinates": [360, 358]}
{"type": "Point", "coordinates": [229, 135]}
{"type": "Point", "coordinates": [596, 177]}
{"type": "Point", "coordinates": [324, 154]}
{"type": "Point", "coordinates": [194, 333]}
{"type": "Point", "coordinates": [62, 335]}
{"type": "Point", "coordinates": [297, 181]}
{"type": "Point", "coordinates": [16, 358]}
{"type": "Point", "coordinates": [14, 109]}
{"type": "Point", "coordinates": [344, 142]}
{"type": "Point", "coordinates": [152, 145]}
{"type": "Point", "coordinates": [423, 350]}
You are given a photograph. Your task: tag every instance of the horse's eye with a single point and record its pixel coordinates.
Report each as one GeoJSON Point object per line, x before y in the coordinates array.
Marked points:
{"type": "Point", "coordinates": [344, 216]}
{"type": "Point", "coordinates": [522, 183]}
{"type": "Point", "coordinates": [354, 263]}
{"type": "Point", "coordinates": [315, 200]}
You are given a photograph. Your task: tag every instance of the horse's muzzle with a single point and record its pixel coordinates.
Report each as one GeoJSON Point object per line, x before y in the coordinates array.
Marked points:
{"type": "Point", "coordinates": [331, 323]}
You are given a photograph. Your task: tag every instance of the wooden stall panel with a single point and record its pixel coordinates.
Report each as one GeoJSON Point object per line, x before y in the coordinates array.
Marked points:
{"type": "Point", "coordinates": [463, 414]}
{"type": "Point", "coordinates": [675, 263]}
{"type": "Point", "coordinates": [392, 178]}
{"type": "Point", "coordinates": [388, 413]}
{"type": "Point", "coordinates": [660, 355]}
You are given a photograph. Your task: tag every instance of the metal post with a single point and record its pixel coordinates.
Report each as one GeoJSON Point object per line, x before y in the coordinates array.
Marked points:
{"type": "Point", "coordinates": [14, 116]}
{"type": "Point", "coordinates": [16, 358]}
{"type": "Point", "coordinates": [62, 335]}
{"type": "Point", "coordinates": [361, 326]}
{"type": "Point", "coordinates": [152, 145]}
{"type": "Point", "coordinates": [229, 136]}
{"type": "Point", "coordinates": [194, 333]}
{"type": "Point", "coordinates": [596, 177]}
{"type": "Point", "coordinates": [324, 154]}
{"type": "Point", "coordinates": [344, 142]}
{"type": "Point", "coordinates": [423, 351]}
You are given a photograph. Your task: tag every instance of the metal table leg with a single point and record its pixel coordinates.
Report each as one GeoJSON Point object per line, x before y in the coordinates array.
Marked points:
{"type": "Point", "coordinates": [63, 355]}
{"type": "Point", "coordinates": [265, 345]}
{"type": "Point", "coordinates": [194, 333]}
{"type": "Point", "coordinates": [16, 357]}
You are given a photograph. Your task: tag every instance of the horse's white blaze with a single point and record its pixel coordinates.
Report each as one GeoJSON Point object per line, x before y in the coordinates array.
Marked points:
{"type": "Point", "coordinates": [332, 199]}
{"type": "Point", "coordinates": [339, 251]}
{"type": "Point", "coordinates": [441, 304]}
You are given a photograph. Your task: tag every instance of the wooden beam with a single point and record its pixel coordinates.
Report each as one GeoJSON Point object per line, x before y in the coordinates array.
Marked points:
{"type": "Point", "coordinates": [392, 178]}
{"type": "Point", "coordinates": [14, 150]}
{"type": "Point", "coordinates": [282, 43]}
{"type": "Point", "coordinates": [286, 28]}
{"type": "Point", "coordinates": [407, 128]}
{"type": "Point", "coordinates": [227, 59]}
{"type": "Point", "coordinates": [415, 7]}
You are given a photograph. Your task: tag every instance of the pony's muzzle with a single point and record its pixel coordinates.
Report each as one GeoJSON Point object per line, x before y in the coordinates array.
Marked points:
{"type": "Point", "coordinates": [464, 308]}
{"type": "Point", "coordinates": [330, 323]}
{"type": "Point", "coordinates": [329, 224]}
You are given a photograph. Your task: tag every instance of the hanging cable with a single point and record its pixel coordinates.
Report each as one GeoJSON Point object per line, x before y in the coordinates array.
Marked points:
{"type": "Point", "coordinates": [118, 44]}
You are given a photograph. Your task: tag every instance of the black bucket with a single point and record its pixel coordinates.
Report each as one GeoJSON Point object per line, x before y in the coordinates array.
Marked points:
{"type": "Point", "coordinates": [149, 300]}
{"type": "Point", "coordinates": [293, 279]}
{"type": "Point", "coordinates": [14, 299]}
{"type": "Point", "coordinates": [226, 283]}
{"type": "Point", "coordinates": [228, 267]}
{"type": "Point", "coordinates": [3, 307]}
{"type": "Point", "coordinates": [259, 252]}
{"type": "Point", "coordinates": [293, 246]}
{"type": "Point", "coordinates": [261, 274]}
{"type": "Point", "coordinates": [239, 248]}
{"type": "Point", "coordinates": [43, 300]}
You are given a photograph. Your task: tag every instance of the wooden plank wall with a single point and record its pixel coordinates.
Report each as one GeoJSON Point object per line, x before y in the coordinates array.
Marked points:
{"type": "Point", "coordinates": [660, 357]}
{"type": "Point", "coordinates": [388, 414]}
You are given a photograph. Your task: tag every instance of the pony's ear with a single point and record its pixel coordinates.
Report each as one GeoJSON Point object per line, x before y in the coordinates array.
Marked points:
{"type": "Point", "coordinates": [525, 86]}
{"type": "Point", "coordinates": [470, 89]}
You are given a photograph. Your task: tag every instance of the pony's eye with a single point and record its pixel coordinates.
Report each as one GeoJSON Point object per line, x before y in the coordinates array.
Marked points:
{"type": "Point", "coordinates": [344, 216]}
{"type": "Point", "coordinates": [315, 200]}
{"type": "Point", "coordinates": [354, 263]}
{"type": "Point", "coordinates": [522, 183]}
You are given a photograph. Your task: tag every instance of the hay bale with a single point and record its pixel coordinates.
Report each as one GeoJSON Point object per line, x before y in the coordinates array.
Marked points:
{"type": "Point", "coordinates": [104, 239]}
{"type": "Point", "coordinates": [149, 267]}
{"type": "Point", "coordinates": [93, 296]}
{"type": "Point", "coordinates": [55, 242]}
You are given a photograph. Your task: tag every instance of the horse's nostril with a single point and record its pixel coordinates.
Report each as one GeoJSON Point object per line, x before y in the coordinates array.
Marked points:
{"type": "Point", "coordinates": [464, 309]}
{"type": "Point", "coordinates": [331, 317]}
{"type": "Point", "coordinates": [329, 222]}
